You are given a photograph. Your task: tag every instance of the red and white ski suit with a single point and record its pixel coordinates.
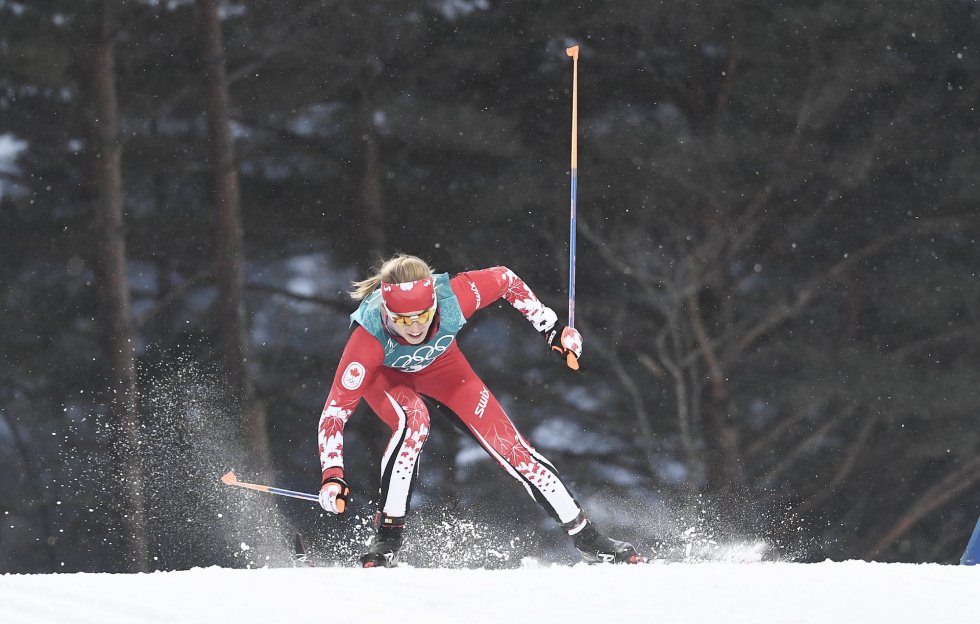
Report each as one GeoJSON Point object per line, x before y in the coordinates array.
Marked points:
{"type": "Point", "coordinates": [396, 398]}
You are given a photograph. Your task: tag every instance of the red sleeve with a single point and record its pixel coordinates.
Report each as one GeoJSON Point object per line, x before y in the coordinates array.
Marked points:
{"type": "Point", "coordinates": [478, 289]}
{"type": "Point", "coordinates": [362, 358]}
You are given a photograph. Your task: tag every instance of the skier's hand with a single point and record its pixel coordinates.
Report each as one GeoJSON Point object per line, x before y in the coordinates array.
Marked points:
{"type": "Point", "coordinates": [565, 341]}
{"type": "Point", "coordinates": [333, 495]}
{"type": "Point", "coordinates": [543, 318]}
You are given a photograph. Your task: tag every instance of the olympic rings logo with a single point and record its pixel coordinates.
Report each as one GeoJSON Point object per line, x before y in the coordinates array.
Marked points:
{"type": "Point", "coordinates": [424, 355]}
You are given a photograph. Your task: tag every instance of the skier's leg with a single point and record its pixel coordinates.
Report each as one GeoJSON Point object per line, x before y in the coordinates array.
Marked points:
{"type": "Point", "coordinates": [394, 401]}
{"type": "Point", "coordinates": [481, 414]}
{"type": "Point", "coordinates": [399, 407]}
{"type": "Point", "coordinates": [497, 434]}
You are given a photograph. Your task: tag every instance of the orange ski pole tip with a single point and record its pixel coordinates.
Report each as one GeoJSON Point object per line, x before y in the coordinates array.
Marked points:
{"type": "Point", "coordinates": [229, 477]}
{"type": "Point", "coordinates": [572, 51]}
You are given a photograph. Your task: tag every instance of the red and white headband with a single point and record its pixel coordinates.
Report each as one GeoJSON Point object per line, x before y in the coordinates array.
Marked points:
{"type": "Point", "coordinates": [408, 297]}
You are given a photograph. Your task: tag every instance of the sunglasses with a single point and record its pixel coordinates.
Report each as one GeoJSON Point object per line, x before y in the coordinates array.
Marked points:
{"type": "Point", "coordinates": [401, 319]}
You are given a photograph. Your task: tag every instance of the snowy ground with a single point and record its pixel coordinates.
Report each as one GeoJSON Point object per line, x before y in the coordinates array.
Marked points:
{"type": "Point", "coordinates": [708, 593]}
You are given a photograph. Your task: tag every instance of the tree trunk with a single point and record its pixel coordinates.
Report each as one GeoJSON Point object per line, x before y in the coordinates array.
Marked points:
{"type": "Point", "coordinates": [373, 230]}
{"type": "Point", "coordinates": [38, 495]}
{"type": "Point", "coordinates": [230, 265]}
{"type": "Point", "coordinates": [115, 316]}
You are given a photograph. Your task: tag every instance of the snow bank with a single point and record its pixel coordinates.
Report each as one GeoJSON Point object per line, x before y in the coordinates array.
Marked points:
{"type": "Point", "coordinates": [709, 593]}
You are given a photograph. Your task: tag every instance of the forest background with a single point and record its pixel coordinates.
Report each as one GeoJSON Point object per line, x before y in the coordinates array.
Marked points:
{"type": "Point", "coordinates": [777, 269]}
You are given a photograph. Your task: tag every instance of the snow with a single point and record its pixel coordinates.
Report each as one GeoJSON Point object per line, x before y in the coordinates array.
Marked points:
{"type": "Point", "coordinates": [688, 593]}
{"type": "Point", "coordinates": [10, 148]}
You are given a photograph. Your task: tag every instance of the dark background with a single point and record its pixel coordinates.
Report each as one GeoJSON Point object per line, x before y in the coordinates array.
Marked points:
{"type": "Point", "coordinates": [777, 271]}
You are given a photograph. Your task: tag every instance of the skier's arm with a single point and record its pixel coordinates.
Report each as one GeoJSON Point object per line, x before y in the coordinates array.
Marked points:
{"type": "Point", "coordinates": [359, 363]}
{"type": "Point", "coordinates": [478, 289]}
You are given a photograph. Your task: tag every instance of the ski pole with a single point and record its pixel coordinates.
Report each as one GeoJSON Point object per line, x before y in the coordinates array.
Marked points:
{"type": "Point", "coordinates": [229, 478]}
{"type": "Point", "coordinates": [570, 359]}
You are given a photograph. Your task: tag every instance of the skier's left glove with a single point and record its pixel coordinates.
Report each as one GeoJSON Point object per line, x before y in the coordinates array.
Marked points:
{"type": "Point", "coordinates": [564, 340]}
{"type": "Point", "coordinates": [333, 495]}
{"type": "Point", "coordinates": [543, 318]}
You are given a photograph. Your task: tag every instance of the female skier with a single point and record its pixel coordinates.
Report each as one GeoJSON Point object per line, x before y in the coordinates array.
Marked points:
{"type": "Point", "coordinates": [404, 348]}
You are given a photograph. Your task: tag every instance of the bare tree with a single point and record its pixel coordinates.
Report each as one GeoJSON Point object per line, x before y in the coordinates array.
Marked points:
{"type": "Point", "coordinates": [230, 263]}
{"type": "Point", "coordinates": [116, 317]}
{"type": "Point", "coordinates": [726, 272]}
{"type": "Point", "coordinates": [371, 198]}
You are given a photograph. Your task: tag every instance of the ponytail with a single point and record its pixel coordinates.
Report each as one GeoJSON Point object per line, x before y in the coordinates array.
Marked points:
{"type": "Point", "coordinates": [395, 270]}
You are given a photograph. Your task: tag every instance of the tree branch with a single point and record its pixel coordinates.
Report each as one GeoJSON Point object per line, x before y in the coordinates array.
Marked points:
{"type": "Point", "coordinates": [337, 304]}
{"type": "Point", "coordinates": [854, 452]}
{"type": "Point", "coordinates": [943, 491]}
{"type": "Point", "coordinates": [782, 312]}
{"type": "Point", "coordinates": [793, 455]}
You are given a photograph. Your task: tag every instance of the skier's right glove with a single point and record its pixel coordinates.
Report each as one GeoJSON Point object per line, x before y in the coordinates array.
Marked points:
{"type": "Point", "coordinates": [565, 341]}
{"type": "Point", "coordinates": [333, 495]}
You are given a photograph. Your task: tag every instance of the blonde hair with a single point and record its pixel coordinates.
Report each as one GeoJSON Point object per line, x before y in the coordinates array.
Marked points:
{"type": "Point", "coordinates": [395, 270]}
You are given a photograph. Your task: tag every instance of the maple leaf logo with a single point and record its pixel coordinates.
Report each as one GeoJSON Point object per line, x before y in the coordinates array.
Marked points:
{"type": "Point", "coordinates": [353, 376]}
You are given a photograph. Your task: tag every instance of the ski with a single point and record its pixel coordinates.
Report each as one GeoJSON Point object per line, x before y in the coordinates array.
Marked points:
{"type": "Point", "coordinates": [301, 558]}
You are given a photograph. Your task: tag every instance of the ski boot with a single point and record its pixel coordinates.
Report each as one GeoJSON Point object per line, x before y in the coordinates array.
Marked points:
{"type": "Point", "coordinates": [597, 548]}
{"type": "Point", "coordinates": [386, 543]}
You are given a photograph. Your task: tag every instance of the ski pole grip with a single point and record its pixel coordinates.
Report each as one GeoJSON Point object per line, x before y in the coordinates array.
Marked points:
{"type": "Point", "coordinates": [342, 498]}
{"type": "Point", "coordinates": [571, 360]}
